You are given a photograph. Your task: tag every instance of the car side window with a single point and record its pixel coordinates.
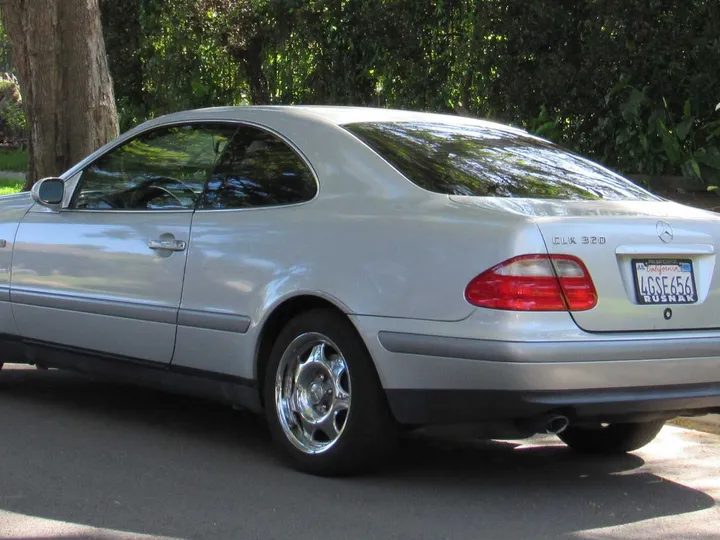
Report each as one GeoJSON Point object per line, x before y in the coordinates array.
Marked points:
{"type": "Point", "coordinates": [258, 169]}
{"type": "Point", "coordinates": [164, 169]}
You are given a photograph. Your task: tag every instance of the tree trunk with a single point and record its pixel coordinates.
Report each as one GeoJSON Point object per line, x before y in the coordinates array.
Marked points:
{"type": "Point", "coordinates": [59, 55]}
{"type": "Point", "coordinates": [250, 58]}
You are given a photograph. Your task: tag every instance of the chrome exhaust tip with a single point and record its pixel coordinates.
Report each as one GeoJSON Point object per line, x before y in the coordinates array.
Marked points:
{"type": "Point", "coordinates": [557, 424]}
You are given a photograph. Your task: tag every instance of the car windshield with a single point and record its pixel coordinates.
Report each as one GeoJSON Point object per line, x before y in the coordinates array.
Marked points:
{"type": "Point", "coordinates": [473, 160]}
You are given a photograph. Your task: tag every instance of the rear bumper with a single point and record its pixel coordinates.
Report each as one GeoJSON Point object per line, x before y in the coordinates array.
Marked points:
{"type": "Point", "coordinates": [610, 349]}
{"type": "Point", "coordinates": [449, 380]}
{"type": "Point", "coordinates": [446, 407]}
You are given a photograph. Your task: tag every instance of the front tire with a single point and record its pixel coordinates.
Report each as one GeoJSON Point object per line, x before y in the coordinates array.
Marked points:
{"type": "Point", "coordinates": [324, 403]}
{"type": "Point", "coordinates": [616, 438]}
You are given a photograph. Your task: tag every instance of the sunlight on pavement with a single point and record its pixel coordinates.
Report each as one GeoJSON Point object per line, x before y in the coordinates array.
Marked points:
{"type": "Point", "coordinates": [648, 530]}
{"type": "Point", "coordinates": [19, 526]}
{"type": "Point", "coordinates": [677, 456]}
{"type": "Point", "coordinates": [685, 457]}
{"type": "Point", "coordinates": [676, 452]}
{"type": "Point", "coordinates": [691, 458]}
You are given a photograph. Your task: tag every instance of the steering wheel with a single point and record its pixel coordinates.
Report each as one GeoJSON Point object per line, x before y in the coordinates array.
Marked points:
{"type": "Point", "coordinates": [142, 198]}
{"type": "Point", "coordinates": [165, 180]}
{"type": "Point", "coordinates": [147, 190]}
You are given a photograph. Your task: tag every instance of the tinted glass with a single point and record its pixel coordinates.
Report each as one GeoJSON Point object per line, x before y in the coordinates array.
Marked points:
{"type": "Point", "coordinates": [258, 169]}
{"type": "Point", "coordinates": [160, 170]}
{"type": "Point", "coordinates": [486, 162]}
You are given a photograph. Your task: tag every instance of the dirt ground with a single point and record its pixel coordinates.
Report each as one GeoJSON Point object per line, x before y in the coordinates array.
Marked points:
{"type": "Point", "coordinates": [705, 200]}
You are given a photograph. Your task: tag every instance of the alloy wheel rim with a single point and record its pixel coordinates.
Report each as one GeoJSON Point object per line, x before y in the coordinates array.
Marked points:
{"type": "Point", "coordinates": [313, 393]}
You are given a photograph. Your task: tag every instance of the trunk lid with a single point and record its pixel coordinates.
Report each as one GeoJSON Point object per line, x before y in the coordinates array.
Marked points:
{"type": "Point", "coordinates": [652, 262]}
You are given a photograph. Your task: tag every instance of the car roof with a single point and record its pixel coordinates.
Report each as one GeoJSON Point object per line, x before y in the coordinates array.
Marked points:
{"type": "Point", "coordinates": [337, 114]}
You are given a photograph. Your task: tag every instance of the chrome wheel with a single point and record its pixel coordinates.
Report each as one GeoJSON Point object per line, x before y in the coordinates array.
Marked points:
{"type": "Point", "coordinates": [312, 393]}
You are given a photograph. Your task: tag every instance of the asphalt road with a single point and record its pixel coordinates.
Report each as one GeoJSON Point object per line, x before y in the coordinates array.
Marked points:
{"type": "Point", "coordinates": [82, 459]}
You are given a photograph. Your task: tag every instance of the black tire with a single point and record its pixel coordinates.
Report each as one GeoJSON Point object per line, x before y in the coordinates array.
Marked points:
{"type": "Point", "coordinates": [370, 433]}
{"type": "Point", "coordinates": [612, 439]}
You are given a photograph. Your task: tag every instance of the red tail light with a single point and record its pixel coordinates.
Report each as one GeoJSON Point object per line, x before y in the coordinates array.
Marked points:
{"type": "Point", "coordinates": [535, 283]}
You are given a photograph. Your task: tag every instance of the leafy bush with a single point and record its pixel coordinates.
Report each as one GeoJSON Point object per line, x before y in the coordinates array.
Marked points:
{"type": "Point", "coordinates": [609, 79]}
{"type": "Point", "coordinates": [13, 124]}
{"type": "Point", "coordinates": [650, 138]}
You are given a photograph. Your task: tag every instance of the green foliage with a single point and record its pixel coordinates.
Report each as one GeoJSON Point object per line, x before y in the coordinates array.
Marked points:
{"type": "Point", "coordinates": [10, 185]}
{"type": "Point", "coordinates": [632, 83]}
{"type": "Point", "coordinates": [163, 60]}
{"type": "Point", "coordinates": [546, 125]}
{"type": "Point", "coordinates": [651, 138]}
{"type": "Point", "coordinates": [13, 124]}
{"type": "Point", "coordinates": [6, 64]}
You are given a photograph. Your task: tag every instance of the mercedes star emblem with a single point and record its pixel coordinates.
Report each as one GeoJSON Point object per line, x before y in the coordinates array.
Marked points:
{"type": "Point", "coordinates": [665, 232]}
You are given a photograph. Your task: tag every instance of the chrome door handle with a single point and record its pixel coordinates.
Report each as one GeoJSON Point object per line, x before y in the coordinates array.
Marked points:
{"type": "Point", "coordinates": [170, 245]}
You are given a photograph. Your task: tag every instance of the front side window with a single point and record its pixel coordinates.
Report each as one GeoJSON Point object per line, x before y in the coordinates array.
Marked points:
{"type": "Point", "coordinates": [458, 159]}
{"type": "Point", "coordinates": [258, 169]}
{"type": "Point", "coordinates": [165, 169]}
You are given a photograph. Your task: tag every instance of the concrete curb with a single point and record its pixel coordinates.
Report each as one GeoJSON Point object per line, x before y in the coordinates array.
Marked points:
{"type": "Point", "coordinates": [710, 423]}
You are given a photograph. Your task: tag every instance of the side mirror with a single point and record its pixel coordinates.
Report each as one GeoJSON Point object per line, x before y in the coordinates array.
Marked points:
{"type": "Point", "coordinates": [49, 192]}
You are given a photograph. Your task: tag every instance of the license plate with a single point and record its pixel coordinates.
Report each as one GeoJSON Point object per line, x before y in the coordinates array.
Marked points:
{"type": "Point", "coordinates": [664, 281]}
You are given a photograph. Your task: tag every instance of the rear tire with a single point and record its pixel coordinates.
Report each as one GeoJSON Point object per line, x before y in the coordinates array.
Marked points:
{"type": "Point", "coordinates": [612, 439]}
{"type": "Point", "coordinates": [325, 406]}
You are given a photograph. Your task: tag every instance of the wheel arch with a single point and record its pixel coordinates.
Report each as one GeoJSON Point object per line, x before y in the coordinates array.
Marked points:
{"type": "Point", "coordinates": [279, 316]}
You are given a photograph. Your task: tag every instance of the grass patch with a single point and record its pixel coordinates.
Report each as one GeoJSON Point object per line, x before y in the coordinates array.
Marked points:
{"type": "Point", "coordinates": [10, 185]}
{"type": "Point", "coordinates": [12, 159]}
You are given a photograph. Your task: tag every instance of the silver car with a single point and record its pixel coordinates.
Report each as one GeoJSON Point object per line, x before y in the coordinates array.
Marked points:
{"type": "Point", "coordinates": [353, 273]}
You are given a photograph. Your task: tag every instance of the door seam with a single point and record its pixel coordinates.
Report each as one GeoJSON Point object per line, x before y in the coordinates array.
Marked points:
{"type": "Point", "coordinates": [182, 286]}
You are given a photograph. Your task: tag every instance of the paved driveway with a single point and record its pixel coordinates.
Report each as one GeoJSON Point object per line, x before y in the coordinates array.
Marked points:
{"type": "Point", "coordinates": [81, 459]}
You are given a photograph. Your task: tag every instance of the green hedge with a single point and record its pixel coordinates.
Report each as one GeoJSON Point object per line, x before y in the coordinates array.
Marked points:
{"type": "Point", "coordinates": [632, 83]}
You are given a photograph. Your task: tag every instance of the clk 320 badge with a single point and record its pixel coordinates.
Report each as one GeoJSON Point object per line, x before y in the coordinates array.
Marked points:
{"type": "Point", "coordinates": [572, 240]}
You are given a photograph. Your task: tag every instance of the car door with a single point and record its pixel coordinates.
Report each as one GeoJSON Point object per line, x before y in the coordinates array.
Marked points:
{"type": "Point", "coordinates": [105, 273]}
{"type": "Point", "coordinates": [254, 198]}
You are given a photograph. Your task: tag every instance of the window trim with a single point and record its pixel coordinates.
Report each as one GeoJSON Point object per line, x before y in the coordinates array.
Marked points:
{"type": "Point", "coordinates": [76, 176]}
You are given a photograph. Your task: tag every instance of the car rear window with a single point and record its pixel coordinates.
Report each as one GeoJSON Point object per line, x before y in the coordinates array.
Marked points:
{"type": "Point", "coordinates": [458, 159]}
